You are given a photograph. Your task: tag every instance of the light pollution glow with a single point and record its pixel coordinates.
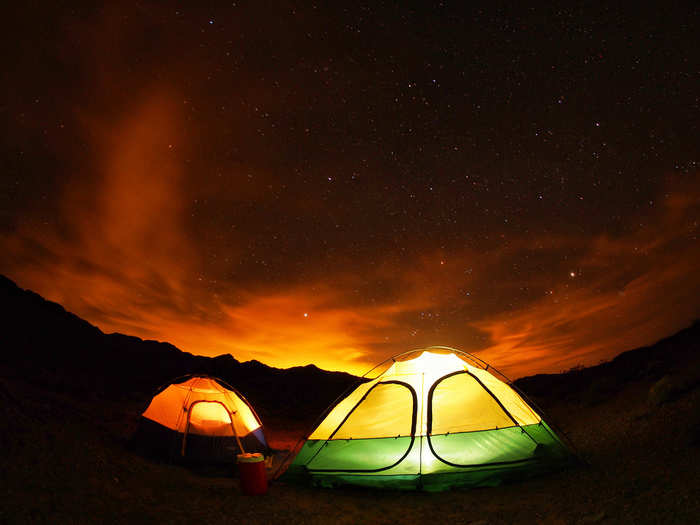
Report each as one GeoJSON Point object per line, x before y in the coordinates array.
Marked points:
{"type": "Point", "coordinates": [121, 255]}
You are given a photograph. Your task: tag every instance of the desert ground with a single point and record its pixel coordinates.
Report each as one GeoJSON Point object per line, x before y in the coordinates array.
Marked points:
{"type": "Point", "coordinates": [68, 459]}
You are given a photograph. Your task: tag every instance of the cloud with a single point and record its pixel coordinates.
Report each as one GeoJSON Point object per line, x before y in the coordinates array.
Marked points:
{"type": "Point", "coordinates": [628, 291]}
{"type": "Point", "coordinates": [219, 233]}
{"type": "Point", "coordinates": [119, 240]}
{"type": "Point", "coordinates": [123, 259]}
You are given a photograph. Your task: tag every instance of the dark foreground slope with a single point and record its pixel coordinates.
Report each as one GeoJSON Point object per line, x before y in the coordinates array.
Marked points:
{"type": "Point", "coordinates": [65, 457]}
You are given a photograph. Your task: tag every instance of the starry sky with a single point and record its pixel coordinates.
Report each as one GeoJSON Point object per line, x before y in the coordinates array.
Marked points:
{"type": "Point", "coordinates": [335, 183]}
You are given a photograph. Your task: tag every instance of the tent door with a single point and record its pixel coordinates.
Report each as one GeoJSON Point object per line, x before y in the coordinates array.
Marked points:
{"type": "Point", "coordinates": [189, 420]}
{"type": "Point", "coordinates": [375, 436]}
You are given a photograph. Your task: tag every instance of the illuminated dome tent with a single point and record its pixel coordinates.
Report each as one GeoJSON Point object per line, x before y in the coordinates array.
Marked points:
{"type": "Point", "coordinates": [201, 418]}
{"type": "Point", "coordinates": [436, 418]}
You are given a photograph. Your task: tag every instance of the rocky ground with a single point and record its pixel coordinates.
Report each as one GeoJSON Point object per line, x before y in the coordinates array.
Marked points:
{"type": "Point", "coordinates": [67, 460]}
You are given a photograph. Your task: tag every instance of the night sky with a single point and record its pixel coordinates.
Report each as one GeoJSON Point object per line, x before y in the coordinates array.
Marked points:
{"type": "Point", "coordinates": [334, 184]}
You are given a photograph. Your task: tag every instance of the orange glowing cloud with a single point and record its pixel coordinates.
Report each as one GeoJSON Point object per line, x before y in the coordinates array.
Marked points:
{"type": "Point", "coordinates": [129, 266]}
{"type": "Point", "coordinates": [635, 290]}
{"type": "Point", "coordinates": [123, 253]}
{"type": "Point", "coordinates": [121, 257]}
{"type": "Point", "coordinates": [230, 231]}
{"type": "Point", "coordinates": [119, 238]}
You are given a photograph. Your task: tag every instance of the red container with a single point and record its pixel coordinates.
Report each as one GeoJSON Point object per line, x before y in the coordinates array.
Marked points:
{"type": "Point", "coordinates": [251, 469]}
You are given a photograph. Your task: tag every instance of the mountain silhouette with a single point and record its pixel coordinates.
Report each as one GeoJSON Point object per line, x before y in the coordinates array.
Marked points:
{"type": "Point", "coordinates": [56, 349]}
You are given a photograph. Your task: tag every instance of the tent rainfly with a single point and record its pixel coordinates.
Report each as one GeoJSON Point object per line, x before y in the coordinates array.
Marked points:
{"type": "Point", "coordinates": [201, 418]}
{"type": "Point", "coordinates": [436, 418]}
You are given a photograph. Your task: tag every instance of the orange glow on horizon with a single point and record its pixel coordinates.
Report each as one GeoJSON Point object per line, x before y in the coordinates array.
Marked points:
{"type": "Point", "coordinates": [122, 257]}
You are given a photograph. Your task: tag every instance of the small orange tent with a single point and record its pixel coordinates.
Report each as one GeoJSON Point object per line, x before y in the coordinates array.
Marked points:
{"type": "Point", "coordinates": [203, 418]}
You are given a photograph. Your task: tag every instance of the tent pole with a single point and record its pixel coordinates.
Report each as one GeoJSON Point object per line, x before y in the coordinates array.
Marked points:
{"type": "Point", "coordinates": [187, 429]}
{"type": "Point", "coordinates": [233, 427]}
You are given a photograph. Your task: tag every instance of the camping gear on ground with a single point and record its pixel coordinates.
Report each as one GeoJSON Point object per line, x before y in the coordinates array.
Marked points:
{"type": "Point", "coordinates": [200, 418]}
{"type": "Point", "coordinates": [251, 471]}
{"type": "Point", "coordinates": [436, 418]}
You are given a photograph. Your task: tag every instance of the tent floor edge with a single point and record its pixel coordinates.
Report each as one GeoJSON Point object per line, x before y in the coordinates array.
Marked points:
{"type": "Point", "coordinates": [156, 441]}
{"type": "Point", "coordinates": [437, 482]}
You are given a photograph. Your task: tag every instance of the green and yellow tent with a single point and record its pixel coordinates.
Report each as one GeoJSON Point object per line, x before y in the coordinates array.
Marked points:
{"type": "Point", "coordinates": [436, 418]}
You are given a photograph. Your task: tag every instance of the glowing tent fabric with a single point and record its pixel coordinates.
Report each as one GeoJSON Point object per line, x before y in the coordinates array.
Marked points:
{"type": "Point", "coordinates": [201, 418]}
{"type": "Point", "coordinates": [433, 420]}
